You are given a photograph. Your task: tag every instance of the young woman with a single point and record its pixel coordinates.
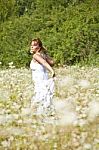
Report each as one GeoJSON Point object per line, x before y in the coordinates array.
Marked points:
{"type": "Point", "coordinates": [40, 64]}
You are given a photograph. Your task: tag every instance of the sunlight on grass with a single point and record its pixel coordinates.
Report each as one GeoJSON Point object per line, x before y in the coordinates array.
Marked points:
{"type": "Point", "coordinates": [75, 125]}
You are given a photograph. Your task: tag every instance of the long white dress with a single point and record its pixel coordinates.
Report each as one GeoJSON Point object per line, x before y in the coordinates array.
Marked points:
{"type": "Point", "coordinates": [43, 89]}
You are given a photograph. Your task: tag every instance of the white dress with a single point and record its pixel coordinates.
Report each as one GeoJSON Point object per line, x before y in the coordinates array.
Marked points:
{"type": "Point", "coordinates": [43, 89]}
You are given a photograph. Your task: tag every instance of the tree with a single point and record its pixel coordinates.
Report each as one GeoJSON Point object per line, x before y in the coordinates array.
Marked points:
{"type": "Point", "coordinates": [6, 9]}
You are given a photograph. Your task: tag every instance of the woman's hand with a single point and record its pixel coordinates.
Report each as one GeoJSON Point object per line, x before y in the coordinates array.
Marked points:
{"type": "Point", "coordinates": [53, 74]}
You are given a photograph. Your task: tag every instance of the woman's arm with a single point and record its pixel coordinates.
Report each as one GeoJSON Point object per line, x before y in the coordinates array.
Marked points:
{"type": "Point", "coordinates": [42, 61]}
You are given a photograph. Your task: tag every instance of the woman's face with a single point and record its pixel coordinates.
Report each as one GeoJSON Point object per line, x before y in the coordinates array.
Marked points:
{"type": "Point", "coordinates": [34, 47]}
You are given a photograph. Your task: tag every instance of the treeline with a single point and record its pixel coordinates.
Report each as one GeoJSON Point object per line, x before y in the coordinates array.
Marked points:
{"type": "Point", "coordinates": [69, 29]}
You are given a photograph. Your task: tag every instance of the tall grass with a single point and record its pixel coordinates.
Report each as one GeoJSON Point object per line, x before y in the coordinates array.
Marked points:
{"type": "Point", "coordinates": [76, 100]}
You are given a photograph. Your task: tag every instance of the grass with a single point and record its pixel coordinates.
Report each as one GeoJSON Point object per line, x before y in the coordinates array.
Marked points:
{"type": "Point", "coordinates": [76, 101]}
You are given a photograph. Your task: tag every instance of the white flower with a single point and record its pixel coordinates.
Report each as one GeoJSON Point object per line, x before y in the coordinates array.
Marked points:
{"type": "Point", "coordinates": [63, 105]}
{"type": "Point", "coordinates": [5, 143]}
{"type": "Point", "coordinates": [10, 63]}
{"type": "Point", "coordinates": [16, 106]}
{"type": "Point", "coordinates": [66, 81]}
{"type": "Point", "coordinates": [15, 131]}
{"type": "Point", "coordinates": [16, 116]}
{"type": "Point", "coordinates": [68, 118]}
{"type": "Point", "coordinates": [60, 105]}
{"type": "Point", "coordinates": [82, 122]}
{"type": "Point", "coordinates": [10, 118]}
{"type": "Point", "coordinates": [6, 118]}
{"type": "Point", "coordinates": [0, 62]}
{"type": "Point", "coordinates": [2, 119]}
{"type": "Point", "coordinates": [87, 146]}
{"type": "Point", "coordinates": [4, 95]}
{"type": "Point", "coordinates": [96, 141]}
{"type": "Point", "coordinates": [11, 138]}
{"type": "Point", "coordinates": [26, 111]}
{"type": "Point", "coordinates": [64, 109]}
{"type": "Point", "coordinates": [93, 109]}
{"type": "Point", "coordinates": [11, 66]}
{"type": "Point", "coordinates": [20, 121]}
{"type": "Point", "coordinates": [84, 83]}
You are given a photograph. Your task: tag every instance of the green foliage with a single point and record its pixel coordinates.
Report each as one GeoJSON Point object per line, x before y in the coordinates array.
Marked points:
{"type": "Point", "coordinates": [6, 9]}
{"type": "Point", "coordinates": [68, 29]}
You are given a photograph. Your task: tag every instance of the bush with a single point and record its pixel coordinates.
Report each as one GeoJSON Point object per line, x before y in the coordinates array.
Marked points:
{"type": "Point", "coordinates": [69, 31]}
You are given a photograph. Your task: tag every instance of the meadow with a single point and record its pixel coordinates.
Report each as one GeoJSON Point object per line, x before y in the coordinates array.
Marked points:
{"type": "Point", "coordinates": [75, 125]}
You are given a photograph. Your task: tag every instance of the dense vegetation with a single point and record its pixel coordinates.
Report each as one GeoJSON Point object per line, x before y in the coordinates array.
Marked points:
{"type": "Point", "coordinates": [69, 29]}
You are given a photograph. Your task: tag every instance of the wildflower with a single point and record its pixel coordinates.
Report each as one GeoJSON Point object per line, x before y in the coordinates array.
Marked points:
{"type": "Point", "coordinates": [60, 105]}
{"type": "Point", "coordinates": [68, 118]}
{"type": "Point", "coordinates": [84, 83]}
{"type": "Point", "coordinates": [5, 143]}
{"type": "Point", "coordinates": [11, 138]}
{"type": "Point", "coordinates": [10, 118]}
{"type": "Point", "coordinates": [4, 95]}
{"type": "Point", "coordinates": [66, 81]}
{"type": "Point", "coordinates": [96, 141]}
{"type": "Point", "coordinates": [87, 146]}
{"type": "Point", "coordinates": [82, 122]}
{"type": "Point", "coordinates": [10, 64]}
{"type": "Point", "coordinates": [2, 119]}
{"type": "Point", "coordinates": [93, 110]}
{"type": "Point", "coordinates": [15, 131]}
{"type": "Point", "coordinates": [26, 111]}
{"type": "Point", "coordinates": [11, 67]}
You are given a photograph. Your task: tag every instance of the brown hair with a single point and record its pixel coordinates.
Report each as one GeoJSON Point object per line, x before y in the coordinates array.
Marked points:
{"type": "Point", "coordinates": [39, 42]}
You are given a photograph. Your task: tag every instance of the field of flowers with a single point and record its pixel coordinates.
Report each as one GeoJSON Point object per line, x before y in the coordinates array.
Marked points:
{"type": "Point", "coordinates": [75, 125]}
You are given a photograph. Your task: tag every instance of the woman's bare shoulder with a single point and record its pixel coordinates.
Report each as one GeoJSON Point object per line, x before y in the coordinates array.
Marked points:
{"type": "Point", "coordinates": [38, 58]}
